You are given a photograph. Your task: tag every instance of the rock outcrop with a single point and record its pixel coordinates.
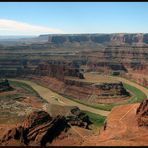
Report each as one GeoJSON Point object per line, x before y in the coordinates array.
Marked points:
{"type": "Point", "coordinates": [84, 89]}
{"type": "Point", "coordinates": [121, 127]}
{"type": "Point", "coordinates": [58, 70]}
{"type": "Point", "coordinates": [4, 85]}
{"type": "Point", "coordinates": [78, 118]}
{"type": "Point", "coordinates": [40, 129]}
{"type": "Point", "coordinates": [37, 129]}
{"type": "Point", "coordinates": [107, 53]}
{"type": "Point", "coordinates": [142, 113]}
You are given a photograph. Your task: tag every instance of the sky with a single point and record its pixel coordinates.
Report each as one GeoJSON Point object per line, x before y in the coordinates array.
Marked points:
{"type": "Point", "coordinates": [35, 18]}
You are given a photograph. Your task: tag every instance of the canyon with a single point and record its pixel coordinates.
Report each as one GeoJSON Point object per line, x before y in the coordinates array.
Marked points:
{"type": "Point", "coordinates": [74, 89]}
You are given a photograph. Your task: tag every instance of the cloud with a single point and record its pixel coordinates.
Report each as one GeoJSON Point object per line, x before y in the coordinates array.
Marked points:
{"type": "Point", "coordinates": [12, 27]}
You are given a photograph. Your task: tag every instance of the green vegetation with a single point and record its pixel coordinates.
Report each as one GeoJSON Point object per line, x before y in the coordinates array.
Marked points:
{"type": "Point", "coordinates": [96, 119]}
{"type": "Point", "coordinates": [106, 107]}
{"type": "Point", "coordinates": [26, 87]}
{"type": "Point", "coordinates": [138, 94]}
{"type": "Point", "coordinates": [136, 98]}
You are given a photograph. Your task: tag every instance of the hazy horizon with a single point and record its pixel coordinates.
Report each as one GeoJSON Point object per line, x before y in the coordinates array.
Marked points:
{"type": "Point", "coordinates": [34, 36]}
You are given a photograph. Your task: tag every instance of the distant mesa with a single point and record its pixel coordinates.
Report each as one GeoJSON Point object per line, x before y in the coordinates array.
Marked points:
{"type": "Point", "coordinates": [118, 38]}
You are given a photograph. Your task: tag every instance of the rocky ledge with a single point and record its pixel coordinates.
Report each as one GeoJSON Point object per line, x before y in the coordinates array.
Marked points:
{"type": "Point", "coordinates": [40, 129]}
{"type": "Point", "coordinates": [142, 113]}
{"type": "Point", "coordinates": [37, 129]}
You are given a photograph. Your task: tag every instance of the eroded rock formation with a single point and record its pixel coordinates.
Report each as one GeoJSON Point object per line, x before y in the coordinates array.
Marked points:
{"type": "Point", "coordinates": [4, 85]}
{"type": "Point", "coordinates": [100, 52]}
{"type": "Point", "coordinates": [142, 113]}
{"type": "Point", "coordinates": [37, 129]}
{"type": "Point", "coordinates": [78, 118]}
{"type": "Point", "coordinates": [40, 129]}
{"type": "Point", "coordinates": [86, 89]}
{"type": "Point", "coordinates": [121, 127]}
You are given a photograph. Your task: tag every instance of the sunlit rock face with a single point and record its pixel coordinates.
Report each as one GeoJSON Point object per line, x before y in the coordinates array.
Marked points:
{"type": "Point", "coordinates": [142, 113]}
{"type": "Point", "coordinates": [38, 128]}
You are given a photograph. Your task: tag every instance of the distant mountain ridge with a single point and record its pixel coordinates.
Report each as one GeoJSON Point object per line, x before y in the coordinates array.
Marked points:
{"type": "Point", "coordinates": [115, 38]}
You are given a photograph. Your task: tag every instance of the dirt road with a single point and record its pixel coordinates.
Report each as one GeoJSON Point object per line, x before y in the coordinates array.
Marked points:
{"type": "Point", "coordinates": [55, 98]}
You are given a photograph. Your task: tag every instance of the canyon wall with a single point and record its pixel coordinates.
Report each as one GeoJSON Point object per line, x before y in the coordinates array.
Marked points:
{"type": "Point", "coordinates": [104, 53]}
{"type": "Point", "coordinates": [119, 38]}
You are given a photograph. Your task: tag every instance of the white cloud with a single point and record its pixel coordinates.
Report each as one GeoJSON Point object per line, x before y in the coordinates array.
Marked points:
{"type": "Point", "coordinates": [11, 27]}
